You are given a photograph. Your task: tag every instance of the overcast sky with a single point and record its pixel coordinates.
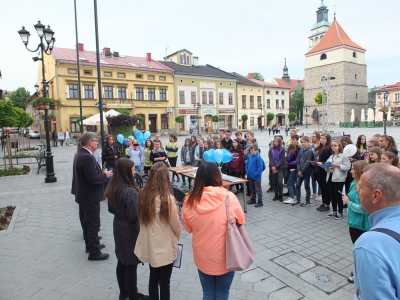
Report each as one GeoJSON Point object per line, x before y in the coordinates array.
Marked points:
{"type": "Point", "coordinates": [235, 35]}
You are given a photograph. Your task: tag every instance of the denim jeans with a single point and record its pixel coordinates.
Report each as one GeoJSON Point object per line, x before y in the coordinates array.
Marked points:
{"type": "Point", "coordinates": [291, 182]}
{"type": "Point", "coordinates": [314, 183]}
{"type": "Point", "coordinates": [109, 169]}
{"type": "Point", "coordinates": [216, 287]}
{"type": "Point", "coordinates": [306, 178]}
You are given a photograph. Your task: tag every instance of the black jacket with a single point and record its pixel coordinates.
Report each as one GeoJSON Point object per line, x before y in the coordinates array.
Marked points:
{"type": "Point", "coordinates": [108, 155]}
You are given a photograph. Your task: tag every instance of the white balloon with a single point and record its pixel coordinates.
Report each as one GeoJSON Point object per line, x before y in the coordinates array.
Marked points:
{"type": "Point", "coordinates": [349, 150]}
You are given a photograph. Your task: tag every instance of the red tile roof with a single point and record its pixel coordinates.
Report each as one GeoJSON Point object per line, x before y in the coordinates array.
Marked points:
{"type": "Point", "coordinates": [267, 84]}
{"type": "Point", "coordinates": [291, 85]}
{"type": "Point", "coordinates": [68, 56]}
{"type": "Point", "coordinates": [334, 37]}
{"type": "Point", "coordinates": [393, 86]}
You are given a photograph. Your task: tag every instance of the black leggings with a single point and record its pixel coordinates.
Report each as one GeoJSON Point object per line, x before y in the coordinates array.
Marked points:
{"type": "Point", "coordinates": [336, 197]}
{"type": "Point", "coordinates": [172, 162]}
{"type": "Point", "coordinates": [127, 280]}
{"type": "Point", "coordinates": [162, 276]}
{"type": "Point", "coordinates": [355, 233]}
{"type": "Point", "coordinates": [321, 179]}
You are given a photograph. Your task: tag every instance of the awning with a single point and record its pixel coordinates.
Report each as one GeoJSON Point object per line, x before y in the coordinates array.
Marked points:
{"type": "Point", "coordinates": [95, 120]}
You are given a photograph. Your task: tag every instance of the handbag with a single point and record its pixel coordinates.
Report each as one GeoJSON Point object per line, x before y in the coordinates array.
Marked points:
{"type": "Point", "coordinates": [239, 251]}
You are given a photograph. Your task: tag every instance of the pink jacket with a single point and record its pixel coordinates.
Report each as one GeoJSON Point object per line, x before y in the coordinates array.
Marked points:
{"type": "Point", "coordinates": [207, 221]}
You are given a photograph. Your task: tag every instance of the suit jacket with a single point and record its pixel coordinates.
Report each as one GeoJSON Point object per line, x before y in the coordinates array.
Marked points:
{"type": "Point", "coordinates": [89, 179]}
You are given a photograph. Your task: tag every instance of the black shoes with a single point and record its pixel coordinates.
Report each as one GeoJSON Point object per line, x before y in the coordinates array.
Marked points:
{"type": "Point", "coordinates": [276, 197]}
{"type": "Point", "coordinates": [259, 204]}
{"type": "Point", "coordinates": [286, 194]}
{"type": "Point", "coordinates": [102, 246]}
{"type": "Point", "coordinates": [252, 201]}
{"type": "Point", "coordinates": [280, 198]}
{"type": "Point", "coordinates": [101, 256]}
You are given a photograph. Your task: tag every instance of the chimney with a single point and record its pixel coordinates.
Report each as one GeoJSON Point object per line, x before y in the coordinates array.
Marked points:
{"type": "Point", "coordinates": [250, 76]}
{"type": "Point", "coordinates": [105, 49]}
{"type": "Point", "coordinates": [148, 56]}
{"type": "Point", "coordinates": [80, 47]}
{"type": "Point", "coordinates": [195, 61]}
{"type": "Point", "coordinates": [299, 82]}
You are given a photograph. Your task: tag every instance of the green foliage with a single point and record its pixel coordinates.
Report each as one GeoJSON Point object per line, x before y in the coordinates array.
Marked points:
{"type": "Point", "coordinates": [298, 99]}
{"type": "Point", "coordinates": [125, 111]}
{"type": "Point", "coordinates": [270, 117]}
{"type": "Point", "coordinates": [140, 119]}
{"type": "Point", "coordinates": [125, 130]}
{"type": "Point", "coordinates": [52, 116]}
{"type": "Point", "coordinates": [292, 116]}
{"type": "Point", "coordinates": [122, 120]}
{"type": "Point", "coordinates": [19, 97]}
{"type": "Point", "coordinates": [244, 118]}
{"type": "Point", "coordinates": [258, 76]}
{"type": "Point", "coordinates": [15, 171]}
{"type": "Point", "coordinates": [78, 120]}
{"type": "Point", "coordinates": [179, 119]}
{"type": "Point", "coordinates": [23, 118]}
{"type": "Point", "coordinates": [318, 98]}
{"type": "Point", "coordinates": [8, 114]}
{"type": "Point", "coordinates": [215, 118]}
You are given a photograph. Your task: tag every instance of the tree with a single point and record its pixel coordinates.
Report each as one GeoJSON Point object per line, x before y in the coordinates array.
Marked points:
{"type": "Point", "coordinates": [298, 99]}
{"type": "Point", "coordinates": [8, 118]}
{"type": "Point", "coordinates": [318, 98]}
{"type": "Point", "coordinates": [258, 76]}
{"type": "Point", "coordinates": [292, 116]}
{"type": "Point", "coordinates": [270, 117]}
{"type": "Point", "coordinates": [124, 111]}
{"type": "Point", "coordinates": [215, 119]}
{"type": "Point", "coordinates": [179, 120]}
{"type": "Point", "coordinates": [244, 119]}
{"type": "Point", "coordinates": [19, 97]}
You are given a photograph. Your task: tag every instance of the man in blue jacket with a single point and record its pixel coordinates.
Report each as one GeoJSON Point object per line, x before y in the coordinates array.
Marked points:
{"type": "Point", "coordinates": [304, 171]}
{"type": "Point", "coordinates": [254, 169]}
{"type": "Point", "coordinates": [376, 252]}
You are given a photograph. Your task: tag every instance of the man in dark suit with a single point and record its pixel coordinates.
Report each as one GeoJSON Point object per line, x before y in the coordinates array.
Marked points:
{"type": "Point", "coordinates": [89, 192]}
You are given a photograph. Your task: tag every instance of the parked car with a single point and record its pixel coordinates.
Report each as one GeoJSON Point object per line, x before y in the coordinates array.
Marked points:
{"type": "Point", "coordinates": [32, 134]}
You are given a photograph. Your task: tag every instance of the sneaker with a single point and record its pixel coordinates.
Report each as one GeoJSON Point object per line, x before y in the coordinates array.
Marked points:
{"type": "Point", "coordinates": [338, 216]}
{"type": "Point", "coordinates": [296, 203]}
{"type": "Point", "coordinates": [325, 208]}
{"type": "Point", "coordinates": [318, 198]}
{"type": "Point", "coordinates": [280, 198]}
{"type": "Point", "coordinates": [173, 180]}
{"type": "Point", "coordinates": [248, 197]}
{"type": "Point", "coordinates": [183, 184]}
{"type": "Point", "coordinates": [252, 201]}
{"type": "Point", "coordinates": [276, 197]}
{"type": "Point", "coordinates": [286, 194]}
{"type": "Point", "coordinates": [313, 196]}
{"type": "Point", "coordinates": [350, 279]}
{"type": "Point", "coordinates": [238, 192]}
{"type": "Point", "coordinates": [331, 215]}
{"type": "Point", "coordinates": [305, 204]}
{"type": "Point", "coordinates": [289, 201]}
{"type": "Point", "coordinates": [270, 190]}
{"type": "Point", "coordinates": [178, 180]}
{"type": "Point", "coordinates": [320, 207]}
{"type": "Point", "coordinates": [259, 204]}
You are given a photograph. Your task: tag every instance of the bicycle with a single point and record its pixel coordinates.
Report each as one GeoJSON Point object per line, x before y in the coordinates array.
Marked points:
{"type": "Point", "coordinates": [41, 156]}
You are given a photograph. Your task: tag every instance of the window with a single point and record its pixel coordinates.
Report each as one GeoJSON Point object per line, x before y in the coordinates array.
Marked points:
{"type": "Point", "coordinates": [268, 92]}
{"type": "Point", "coordinates": [73, 91]}
{"type": "Point", "coordinates": [251, 101]}
{"type": "Point", "coordinates": [396, 97]}
{"type": "Point", "coordinates": [151, 93]}
{"type": "Point", "coordinates": [107, 74]}
{"type": "Point", "coordinates": [204, 97]}
{"type": "Point", "coordinates": [164, 121]}
{"type": "Point", "coordinates": [259, 101]}
{"type": "Point", "coordinates": [108, 92]}
{"type": "Point", "coordinates": [354, 54]}
{"type": "Point", "coordinates": [185, 59]}
{"type": "Point", "coordinates": [88, 91]}
{"type": "Point", "coordinates": [193, 97]}
{"type": "Point", "coordinates": [139, 94]}
{"type": "Point", "coordinates": [122, 93]}
{"type": "Point", "coordinates": [150, 77]}
{"type": "Point", "coordinates": [221, 98]}
{"type": "Point", "coordinates": [243, 101]}
{"type": "Point", "coordinates": [268, 103]}
{"type": "Point", "coordinates": [251, 121]}
{"type": "Point", "coordinates": [323, 56]}
{"type": "Point", "coordinates": [139, 76]}
{"type": "Point", "coordinates": [355, 76]}
{"type": "Point", "coordinates": [276, 92]}
{"type": "Point", "coordinates": [92, 128]}
{"type": "Point", "coordinates": [74, 125]}
{"type": "Point", "coordinates": [210, 98]}
{"type": "Point", "coordinates": [162, 78]}
{"type": "Point", "coordinates": [163, 95]}
{"type": "Point", "coordinates": [181, 97]}
{"type": "Point", "coordinates": [283, 93]}
{"type": "Point", "coordinates": [283, 104]}
{"type": "Point", "coordinates": [72, 71]}
{"type": "Point", "coordinates": [277, 103]}
{"type": "Point", "coordinates": [87, 72]}
{"type": "Point", "coordinates": [356, 96]}
{"type": "Point", "coordinates": [230, 98]}
{"type": "Point", "coordinates": [121, 75]}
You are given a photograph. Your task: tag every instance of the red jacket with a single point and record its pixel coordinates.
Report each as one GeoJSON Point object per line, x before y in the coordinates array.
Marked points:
{"type": "Point", "coordinates": [237, 163]}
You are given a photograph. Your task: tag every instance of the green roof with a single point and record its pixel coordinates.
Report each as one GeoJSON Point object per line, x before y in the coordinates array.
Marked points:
{"type": "Point", "coordinates": [322, 5]}
{"type": "Point", "coordinates": [317, 33]}
{"type": "Point", "coordinates": [320, 24]}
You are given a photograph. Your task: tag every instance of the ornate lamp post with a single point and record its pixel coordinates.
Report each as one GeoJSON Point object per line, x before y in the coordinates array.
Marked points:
{"type": "Point", "coordinates": [45, 35]}
{"type": "Point", "coordinates": [385, 96]}
{"type": "Point", "coordinates": [197, 106]}
{"type": "Point", "coordinates": [261, 107]}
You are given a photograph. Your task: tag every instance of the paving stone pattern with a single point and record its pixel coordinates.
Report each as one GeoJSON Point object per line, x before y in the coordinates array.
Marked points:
{"type": "Point", "coordinates": [44, 257]}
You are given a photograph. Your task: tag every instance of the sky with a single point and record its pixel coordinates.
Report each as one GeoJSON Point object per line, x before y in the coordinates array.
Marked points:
{"type": "Point", "coordinates": [234, 35]}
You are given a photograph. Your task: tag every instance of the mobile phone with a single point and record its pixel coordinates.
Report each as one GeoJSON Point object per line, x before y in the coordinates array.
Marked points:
{"type": "Point", "coordinates": [340, 192]}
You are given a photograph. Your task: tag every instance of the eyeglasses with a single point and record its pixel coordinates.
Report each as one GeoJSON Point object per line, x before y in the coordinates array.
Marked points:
{"type": "Point", "coordinates": [95, 141]}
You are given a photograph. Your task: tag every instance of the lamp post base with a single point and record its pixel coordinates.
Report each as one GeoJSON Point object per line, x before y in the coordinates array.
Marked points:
{"type": "Point", "coordinates": [50, 178]}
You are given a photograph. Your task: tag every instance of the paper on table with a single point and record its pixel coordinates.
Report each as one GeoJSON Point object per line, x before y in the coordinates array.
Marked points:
{"type": "Point", "coordinates": [178, 259]}
{"type": "Point", "coordinates": [326, 165]}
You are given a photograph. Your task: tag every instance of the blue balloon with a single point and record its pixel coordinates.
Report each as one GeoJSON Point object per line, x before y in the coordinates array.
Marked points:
{"type": "Point", "coordinates": [212, 151]}
{"type": "Point", "coordinates": [131, 137]}
{"type": "Point", "coordinates": [225, 151]}
{"type": "Point", "coordinates": [208, 156]}
{"type": "Point", "coordinates": [120, 138]}
{"type": "Point", "coordinates": [218, 155]}
{"type": "Point", "coordinates": [147, 134]}
{"type": "Point", "coordinates": [140, 139]}
{"type": "Point", "coordinates": [227, 157]}
{"type": "Point", "coordinates": [135, 132]}
{"type": "Point", "coordinates": [126, 142]}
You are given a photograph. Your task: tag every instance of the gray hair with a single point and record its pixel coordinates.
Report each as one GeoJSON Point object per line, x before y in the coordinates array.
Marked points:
{"type": "Point", "coordinates": [87, 137]}
{"type": "Point", "coordinates": [386, 178]}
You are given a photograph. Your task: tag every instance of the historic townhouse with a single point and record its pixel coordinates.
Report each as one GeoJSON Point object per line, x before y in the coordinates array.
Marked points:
{"type": "Point", "coordinates": [202, 92]}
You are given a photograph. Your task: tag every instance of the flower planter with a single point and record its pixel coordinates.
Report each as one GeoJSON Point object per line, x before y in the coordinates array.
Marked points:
{"type": "Point", "coordinates": [55, 107]}
{"type": "Point", "coordinates": [46, 106]}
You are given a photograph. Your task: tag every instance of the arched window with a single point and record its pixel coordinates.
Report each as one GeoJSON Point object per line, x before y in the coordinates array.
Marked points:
{"type": "Point", "coordinates": [323, 56]}
{"type": "Point", "coordinates": [354, 54]}
{"type": "Point", "coordinates": [311, 42]}
{"type": "Point", "coordinates": [320, 38]}
{"type": "Point", "coordinates": [316, 41]}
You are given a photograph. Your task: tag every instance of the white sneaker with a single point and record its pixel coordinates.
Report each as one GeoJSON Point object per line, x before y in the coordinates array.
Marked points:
{"type": "Point", "coordinates": [314, 196]}
{"type": "Point", "coordinates": [289, 201]}
{"type": "Point", "coordinates": [318, 198]}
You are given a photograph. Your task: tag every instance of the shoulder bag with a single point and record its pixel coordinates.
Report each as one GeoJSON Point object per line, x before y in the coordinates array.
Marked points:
{"type": "Point", "coordinates": [239, 251]}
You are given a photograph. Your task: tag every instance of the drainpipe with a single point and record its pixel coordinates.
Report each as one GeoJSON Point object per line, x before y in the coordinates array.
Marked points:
{"type": "Point", "coordinates": [58, 96]}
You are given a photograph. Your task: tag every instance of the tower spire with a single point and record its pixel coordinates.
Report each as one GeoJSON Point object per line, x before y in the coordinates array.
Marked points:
{"type": "Point", "coordinates": [286, 76]}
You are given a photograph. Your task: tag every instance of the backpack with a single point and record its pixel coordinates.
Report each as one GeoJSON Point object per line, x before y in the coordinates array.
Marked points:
{"type": "Point", "coordinates": [262, 161]}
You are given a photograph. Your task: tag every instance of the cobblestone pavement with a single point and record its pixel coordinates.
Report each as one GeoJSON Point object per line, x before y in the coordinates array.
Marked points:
{"type": "Point", "coordinates": [300, 253]}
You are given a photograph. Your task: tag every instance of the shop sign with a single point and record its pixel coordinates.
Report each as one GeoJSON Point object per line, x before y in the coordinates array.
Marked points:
{"type": "Point", "coordinates": [226, 111]}
{"type": "Point", "coordinates": [188, 111]}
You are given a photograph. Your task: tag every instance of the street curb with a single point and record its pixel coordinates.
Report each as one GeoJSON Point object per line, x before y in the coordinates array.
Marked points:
{"type": "Point", "coordinates": [13, 220]}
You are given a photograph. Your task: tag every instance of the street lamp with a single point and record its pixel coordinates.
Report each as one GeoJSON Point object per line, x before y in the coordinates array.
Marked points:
{"type": "Point", "coordinates": [306, 115]}
{"type": "Point", "coordinates": [197, 106]}
{"type": "Point", "coordinates": [45, 35]}
{"type": "Point", "coordinates": [385, 97]}
{"type": "Point", "coordinates": [261, 107]}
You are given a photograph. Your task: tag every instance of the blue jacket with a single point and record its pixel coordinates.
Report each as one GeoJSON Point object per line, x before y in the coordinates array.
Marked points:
{"type": "Point", "coordinates": [377, 260]}
{"type": "Point", "coordinates": [292, 159]}
{"type": "Point", "coordinates": [254, 167]}
{"type": "Point", "coordinates": [356, 216]}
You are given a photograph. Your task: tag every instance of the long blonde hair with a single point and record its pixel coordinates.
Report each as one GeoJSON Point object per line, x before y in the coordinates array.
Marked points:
{"type": "Point", "coordinates": [157, 185]}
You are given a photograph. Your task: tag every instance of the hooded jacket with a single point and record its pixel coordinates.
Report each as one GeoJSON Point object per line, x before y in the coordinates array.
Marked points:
{"type": "Point", "coordinates": [208, 224]}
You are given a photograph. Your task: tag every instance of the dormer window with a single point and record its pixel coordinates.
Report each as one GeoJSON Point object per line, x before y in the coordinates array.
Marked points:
{"type": "Point", "coordinates": [323, 56]}
{"type": "Point", "coordinates": [185, 59]}
{"type": "Point", "coordinates": [354, 54]}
